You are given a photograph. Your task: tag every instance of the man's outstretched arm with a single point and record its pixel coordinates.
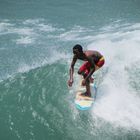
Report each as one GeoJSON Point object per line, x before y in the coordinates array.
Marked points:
{"type": "Point", "coordinates": [71, 71]}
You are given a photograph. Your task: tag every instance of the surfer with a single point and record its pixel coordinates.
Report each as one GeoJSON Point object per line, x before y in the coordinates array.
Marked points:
{"type": "Point", "coordinates": [93, 61]}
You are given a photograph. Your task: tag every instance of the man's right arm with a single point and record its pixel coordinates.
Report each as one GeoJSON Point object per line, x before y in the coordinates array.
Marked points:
{"type": "Point", "coordinates": [71, 71]}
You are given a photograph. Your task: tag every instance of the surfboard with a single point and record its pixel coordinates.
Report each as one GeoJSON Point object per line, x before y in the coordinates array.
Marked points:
{"type": "Point", "coordinates": [84, 102]}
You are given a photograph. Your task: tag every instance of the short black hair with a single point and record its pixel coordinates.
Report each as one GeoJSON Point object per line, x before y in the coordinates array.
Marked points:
{"type": "Point", "coordinates": [78, 47]}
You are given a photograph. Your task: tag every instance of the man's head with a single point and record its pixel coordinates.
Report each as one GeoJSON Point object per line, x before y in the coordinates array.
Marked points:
{"type": "Point", "coordinates": [77, 49]}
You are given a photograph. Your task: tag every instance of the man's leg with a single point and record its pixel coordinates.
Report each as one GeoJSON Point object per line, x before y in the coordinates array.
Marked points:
{"type": "Point", "coordinates": [88, 92]}
{"type": "Point", "coordinates": [83, 70]}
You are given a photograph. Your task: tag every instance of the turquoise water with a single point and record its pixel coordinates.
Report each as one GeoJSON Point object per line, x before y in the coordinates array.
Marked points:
{"type": "Point", "coordinates": [36, 40]}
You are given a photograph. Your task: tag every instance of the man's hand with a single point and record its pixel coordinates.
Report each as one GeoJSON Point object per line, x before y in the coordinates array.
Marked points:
{"type": "Point", "coordinates": [70, 82]}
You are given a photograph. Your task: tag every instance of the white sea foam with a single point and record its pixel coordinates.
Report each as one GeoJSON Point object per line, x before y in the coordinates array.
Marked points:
{"type": "Point", "coordinates": [77, 33]}
{"type": "Point", "coordinates": [4, 27]}
{"type": "Point", "coordinates": [25, 40]}
{"type": "Point", "coordinates": [54, 57]}
{"type": "Point", "coordinates": [26, 32]}
{"type": "Point", "coordinates": [32, 21]}
{"type": "Point", "coordinates": [46, 27]}
{"type": "Point", "coordinates": [117, 102]}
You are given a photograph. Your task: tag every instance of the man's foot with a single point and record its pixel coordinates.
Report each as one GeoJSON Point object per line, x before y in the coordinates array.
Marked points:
{"type": "Point", "coordinates": [86, 94]}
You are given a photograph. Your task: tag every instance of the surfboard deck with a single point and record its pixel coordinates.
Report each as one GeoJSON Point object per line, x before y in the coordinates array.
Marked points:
{"type": "Point", "coordinates": [84, 102]}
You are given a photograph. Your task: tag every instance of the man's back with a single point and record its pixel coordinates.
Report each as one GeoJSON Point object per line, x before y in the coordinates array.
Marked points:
{"type": "Point", "coordinates": [95, 54]}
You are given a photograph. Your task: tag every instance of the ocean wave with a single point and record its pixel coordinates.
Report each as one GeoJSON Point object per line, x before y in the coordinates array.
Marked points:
{"type": "Point", "coordinates": [118, 101]}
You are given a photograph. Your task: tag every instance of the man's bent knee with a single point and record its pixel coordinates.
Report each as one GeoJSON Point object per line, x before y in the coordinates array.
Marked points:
{"type": "Point", "coordinates": [79, 72]}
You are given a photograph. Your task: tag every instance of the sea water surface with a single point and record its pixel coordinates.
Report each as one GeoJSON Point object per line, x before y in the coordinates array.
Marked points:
{"type": "Point", "coordinates": [36, 40]}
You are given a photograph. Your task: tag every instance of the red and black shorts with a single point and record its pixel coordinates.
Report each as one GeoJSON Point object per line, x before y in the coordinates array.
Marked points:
{"type": "Point", "coordinates": [85, 68]}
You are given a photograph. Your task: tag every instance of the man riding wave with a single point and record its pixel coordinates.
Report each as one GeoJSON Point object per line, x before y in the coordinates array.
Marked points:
{"type": "Point", "coordinates": [93, 61]}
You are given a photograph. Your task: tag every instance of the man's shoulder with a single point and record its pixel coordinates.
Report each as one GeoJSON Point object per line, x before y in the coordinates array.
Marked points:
{"type": "Point", "coordinates": [74, 57]}
{"type": "Point", "coordinates": [89, 52]}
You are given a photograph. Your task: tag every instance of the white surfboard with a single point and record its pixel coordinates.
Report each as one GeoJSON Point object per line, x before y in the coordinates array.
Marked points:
{"type": "Point", "coordinates": [85, 102]}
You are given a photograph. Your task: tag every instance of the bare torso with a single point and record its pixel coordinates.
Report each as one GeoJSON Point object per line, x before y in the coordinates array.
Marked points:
{"type": "Point", "coordinates": [94, 54]}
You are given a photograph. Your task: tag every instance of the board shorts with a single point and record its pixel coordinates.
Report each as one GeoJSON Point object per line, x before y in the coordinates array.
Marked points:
{"type": "Point", "coordinates": [85, 68]}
